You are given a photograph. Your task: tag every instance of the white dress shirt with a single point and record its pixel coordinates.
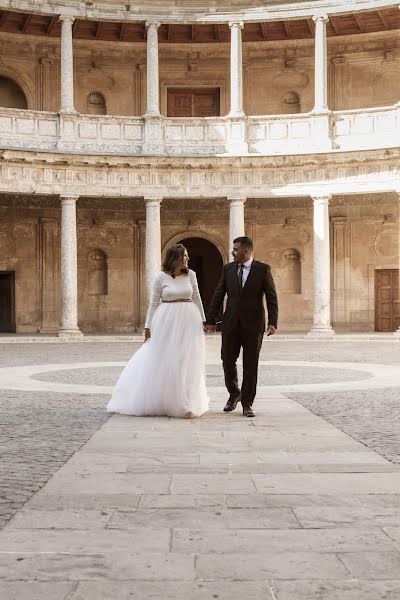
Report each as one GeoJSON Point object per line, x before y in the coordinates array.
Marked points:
{"type": "Point", "coordinates": [246, 270]}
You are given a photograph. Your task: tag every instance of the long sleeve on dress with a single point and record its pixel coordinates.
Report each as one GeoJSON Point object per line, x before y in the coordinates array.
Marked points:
{"type": "Point", "coordinates": [196, 296]}
{"type": "Point", "coordinates": [154, 301]}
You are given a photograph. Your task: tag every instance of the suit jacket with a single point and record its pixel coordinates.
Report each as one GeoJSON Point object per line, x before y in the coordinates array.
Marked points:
{"type": "Point", "coordinates": [245, 306]}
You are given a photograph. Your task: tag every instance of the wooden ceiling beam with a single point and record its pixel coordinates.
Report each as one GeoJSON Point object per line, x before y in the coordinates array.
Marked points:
{"type": "Point", "coordinates": [192, 33]}
{"type": "Point", "coordinates": [169, 33]}
{"type": "Point", "coordinates": [311, 26]}
{"type": "Point", "coordinates": [26, 23]}
{"type": "Point", "coordinates": [287, 29]}
{"type": "Point", "coordinates": [264, 31]}
{"type": "Point", "coordinates": [334, 25]}
{"type": "Point", "coordinates": [75, 26]}
{"type": "Point", "coordinates": [359, 24]}
{"type": "Point", "coordinates": [122, 31]}
{"type": "Point", "coordinates": [98, 30]}
{"type": "Point", "coordinates": [3, 18]}
{"type": "Point", "coordinates": [51, 25]}
{"type": "Point", "coordinates": [383, 19]}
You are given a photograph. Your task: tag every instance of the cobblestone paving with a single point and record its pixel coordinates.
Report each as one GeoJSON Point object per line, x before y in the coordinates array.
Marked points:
{"type": "Point", "coordinates": [371, 417]}
{"type": "Point", "coordinates": [40, 431]}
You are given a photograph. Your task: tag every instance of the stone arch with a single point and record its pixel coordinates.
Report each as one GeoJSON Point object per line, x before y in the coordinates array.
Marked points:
{"type": "Point", "coordinates": [96, 104]}
{"type": "Point", "coordinates": [97, 273]}
{"type": "Point", "coordinates": [291, 272]}
{"type": "Point", "coordinates": [206, 258]}
{"type": "Point", "coordinates": [195, 233]}
{"type": "Point", "coordinates": [290, 102]}
{"type": "Point", "coordinates": [12, 93]}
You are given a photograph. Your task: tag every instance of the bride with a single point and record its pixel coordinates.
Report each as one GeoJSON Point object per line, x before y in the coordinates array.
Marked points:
{"type": "Point", "coordinates": [166, 376]}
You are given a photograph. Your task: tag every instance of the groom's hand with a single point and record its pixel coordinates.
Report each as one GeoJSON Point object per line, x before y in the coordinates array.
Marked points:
{"type": "Point", "coordinates": [270, 330]}
{"type": "Point", "coordinates": [211, 328]}
{"type": "Point", "coordinates": [146, 334]}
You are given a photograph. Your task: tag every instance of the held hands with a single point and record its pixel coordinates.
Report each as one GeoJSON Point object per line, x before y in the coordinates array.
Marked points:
{"type": "Point", "coordinates": [209, 328]}
{"type": "Point", "coordinates": [270, 329]}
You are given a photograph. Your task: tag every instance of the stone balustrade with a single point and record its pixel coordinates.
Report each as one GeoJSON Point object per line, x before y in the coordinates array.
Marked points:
{"type": "Point", "coordinates": [256, 135]}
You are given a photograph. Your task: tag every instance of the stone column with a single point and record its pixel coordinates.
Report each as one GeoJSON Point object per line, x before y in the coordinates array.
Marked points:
{"type": "Point", "coordinates": [67, 68]}
{"type": "Point", "coordinates": [153, 241]}
{"type": "Point", "coordinates": [236, 70]}
{"type": "Point", "coordinates": [321, 65]}
{"type": "Point", "coordinates": [322, 277]}
{"type": "Point", "coordinates": [236, 221]}
{"type": "Point", "coordinates": [153, 100]}
{"type": "Point", "coordinates": [69, 269]}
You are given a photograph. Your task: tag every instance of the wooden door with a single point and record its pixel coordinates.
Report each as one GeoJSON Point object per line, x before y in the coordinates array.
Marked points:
{"type": "Point", "coordinates": [193, 102]}
{"type": "Point", "coordinates": [387, 300]}
{"type": "Point", "coordinates": [7, 319]}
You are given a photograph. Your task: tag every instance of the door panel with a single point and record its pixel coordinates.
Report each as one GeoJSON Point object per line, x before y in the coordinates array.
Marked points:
{"type": "Point", "coordinates": [387, 301]}
{"type": "Point", "coordinates": [193, 102]}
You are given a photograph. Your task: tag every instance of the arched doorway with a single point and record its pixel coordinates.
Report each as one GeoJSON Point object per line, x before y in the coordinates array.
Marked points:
{"type": "Point", "coordinates": [205, 259]}
{"type": "Point", "coordinates": [11, 95]}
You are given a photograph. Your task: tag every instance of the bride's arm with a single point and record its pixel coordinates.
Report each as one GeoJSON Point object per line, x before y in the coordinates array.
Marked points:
{"type": "Point", "coordinates": [196, 296]}
{"type": "Point", "coordinates": [154, 301]}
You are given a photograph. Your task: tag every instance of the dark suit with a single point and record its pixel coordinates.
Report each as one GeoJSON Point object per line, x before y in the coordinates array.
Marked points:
{"type": "Point", "coordinates": [243, 324]}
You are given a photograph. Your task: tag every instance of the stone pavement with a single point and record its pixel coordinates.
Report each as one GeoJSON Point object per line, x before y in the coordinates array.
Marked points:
{"type": "Point", "coordinates": [285, 506]}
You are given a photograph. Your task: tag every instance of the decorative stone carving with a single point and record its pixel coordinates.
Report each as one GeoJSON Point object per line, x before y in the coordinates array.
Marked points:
{"type": "Point", "coordinates": [6, 247]}
{"type": "Point", "coordinates": [386, 244]}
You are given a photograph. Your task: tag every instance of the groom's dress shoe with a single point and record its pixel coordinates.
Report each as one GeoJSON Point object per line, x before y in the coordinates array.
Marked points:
{"type": "Point", "coordinates": [248, 411]}
{"type": "Point", "coordinates": [231, 404]}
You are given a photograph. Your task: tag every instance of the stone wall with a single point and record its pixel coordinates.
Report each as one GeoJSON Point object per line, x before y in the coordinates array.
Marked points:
{"type": "Point", "coordinates": [363, 72]}
{"type": "Point", "coordinates": [111, 261]}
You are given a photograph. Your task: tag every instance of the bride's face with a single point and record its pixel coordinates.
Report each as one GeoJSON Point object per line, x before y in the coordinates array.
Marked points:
{"type": "Point", "coordinates": [185, 259]}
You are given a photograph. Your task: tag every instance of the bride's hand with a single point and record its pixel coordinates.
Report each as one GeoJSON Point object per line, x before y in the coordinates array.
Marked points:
{"type": "Point", "coordinates": [146, 334]}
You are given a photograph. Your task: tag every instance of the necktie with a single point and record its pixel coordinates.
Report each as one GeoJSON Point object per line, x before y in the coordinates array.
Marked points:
{"type": "Point", "coordinates": [240, 275]}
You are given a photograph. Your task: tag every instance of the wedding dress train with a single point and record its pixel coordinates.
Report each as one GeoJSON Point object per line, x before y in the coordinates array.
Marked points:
{"type": "Point", "coordinates": [166, 376]}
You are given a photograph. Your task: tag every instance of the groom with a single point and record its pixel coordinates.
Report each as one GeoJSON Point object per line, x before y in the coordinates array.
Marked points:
{"type": "Point", "coordinates": [245, 281]}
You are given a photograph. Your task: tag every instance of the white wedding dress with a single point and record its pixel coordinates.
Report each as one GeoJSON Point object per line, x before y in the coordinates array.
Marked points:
{"type": "Point", "coordinates": [166, 376]}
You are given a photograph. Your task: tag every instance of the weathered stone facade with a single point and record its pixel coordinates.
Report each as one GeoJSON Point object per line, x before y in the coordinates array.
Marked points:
{"type": "Point", "coordinates": [315, 183]}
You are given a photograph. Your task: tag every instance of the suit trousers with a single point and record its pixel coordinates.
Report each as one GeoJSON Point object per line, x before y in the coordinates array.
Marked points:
{"type": "Point", "coordinates": [250, 342]}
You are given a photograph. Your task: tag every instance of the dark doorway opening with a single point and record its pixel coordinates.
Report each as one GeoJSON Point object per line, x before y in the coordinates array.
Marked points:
{"type": "Point", "coordinates": [206, 260]}
{"type": "Point", "coordinates": [7, 302]}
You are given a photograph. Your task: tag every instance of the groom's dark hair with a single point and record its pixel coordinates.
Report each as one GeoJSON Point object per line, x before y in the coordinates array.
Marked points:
{"type": "Point", "coordinates": [244, 241]}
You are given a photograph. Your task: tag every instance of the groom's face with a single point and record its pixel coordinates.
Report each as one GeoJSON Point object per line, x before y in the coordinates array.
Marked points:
{"type": "Point", "coordinates": [239, 253]}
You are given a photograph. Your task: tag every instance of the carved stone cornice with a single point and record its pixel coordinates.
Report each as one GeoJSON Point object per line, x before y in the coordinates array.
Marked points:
{"type": "Point", "coordinates": [154, 177]}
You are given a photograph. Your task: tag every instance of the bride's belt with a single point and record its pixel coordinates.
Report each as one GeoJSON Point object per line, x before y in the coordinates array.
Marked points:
{"type": "Point", "coordinates": [180, 300]}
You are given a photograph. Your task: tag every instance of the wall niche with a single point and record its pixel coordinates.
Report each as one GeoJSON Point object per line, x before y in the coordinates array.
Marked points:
{"type": "Point", "coordinates": [291, 272]}
{"type": "Point", "coordinates": [97, 273]}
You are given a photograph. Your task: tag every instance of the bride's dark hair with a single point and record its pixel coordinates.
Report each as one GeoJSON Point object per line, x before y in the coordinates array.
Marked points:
{"type": "Point", "coordinates": [172, 258]}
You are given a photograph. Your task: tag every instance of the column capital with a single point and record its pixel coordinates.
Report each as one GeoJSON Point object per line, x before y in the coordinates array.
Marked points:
{"type": "Point", "coordinates": [321, 198]}
{"type": "Point", "coordinates": [338, 60]}
{"type": "Point", "coordinates": [152, 24]}
{"type": "Point", "coordinates": [238, 24]}
{"type": "Point", "coordinates": [67, 18]}
{"type": "Point", "coordinates": [319, 18]}
{"type": "Point", "coordinates": [153, 201]}
{"type": "Point", "coordinates": [236, 200]}
{"type": "Point", "coordinates": [68, 199]}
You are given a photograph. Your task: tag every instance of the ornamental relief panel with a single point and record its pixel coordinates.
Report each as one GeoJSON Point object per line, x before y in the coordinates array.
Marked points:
{"type": "Point", "coordinates": [250, 182]}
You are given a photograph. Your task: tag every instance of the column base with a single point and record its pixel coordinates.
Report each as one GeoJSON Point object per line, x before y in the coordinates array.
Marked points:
{"type": "Point", "coordinates": [321, 332]}
{"type": "Point", "coordinates": [70, 333]}
{"type": "Point", "coordinates": [397, 333]}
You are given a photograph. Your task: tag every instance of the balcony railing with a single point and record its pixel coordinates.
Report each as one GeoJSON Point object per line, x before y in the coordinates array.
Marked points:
{"type": "Point", "coordinates": [255, 135]}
